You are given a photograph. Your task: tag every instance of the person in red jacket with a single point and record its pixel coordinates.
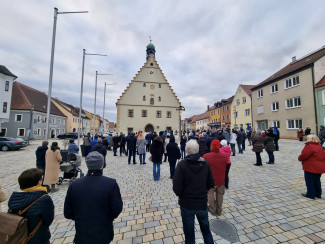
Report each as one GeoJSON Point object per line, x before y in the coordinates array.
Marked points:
{"type": "Point", "coordinates": [218, 162]}
{"type": "Point", "coordinates": [313, 163]}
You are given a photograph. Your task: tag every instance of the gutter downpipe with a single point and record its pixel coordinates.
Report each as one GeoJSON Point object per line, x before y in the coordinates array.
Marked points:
{"type": "Point", "coordinates": [315, 102]}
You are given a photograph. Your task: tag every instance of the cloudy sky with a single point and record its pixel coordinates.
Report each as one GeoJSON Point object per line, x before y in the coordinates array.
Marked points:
{"type": "Point", "coordinates": [205, 48]}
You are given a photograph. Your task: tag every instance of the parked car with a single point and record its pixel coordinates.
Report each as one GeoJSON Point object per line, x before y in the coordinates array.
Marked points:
{"type": "Point", "coordinates": [70, 135]}
{"type": "Point", "coordinates": [10, 143]}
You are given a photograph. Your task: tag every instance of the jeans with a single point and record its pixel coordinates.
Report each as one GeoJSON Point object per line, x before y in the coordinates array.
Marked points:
{"type": "Point", "coordinates": [227, 176]}
{"type": "Point", "coordinates": [142, 158]}
{"type": "Point", "coordinates": [243, 145]}
{"type": "Point", "coordinates": [271, 157]}
{"type": "Point", "coordinates": [188, 225]}
{"type": "Point", "coordinates": [131, 153]}
{"type": "Point", "coordinates": [239, 147]}
{"type": "Point", "coordinates": [156, 171]}
{"type": "Point", "coordinates": [313, 184]}
{"type": "Point", "coordinates": [122, 149]}
{"type": "Point", "coordinates": [233, 148]}
{"type": "Point", "coordinates": [258, 158]}
{"type": "Point", "coordinates": [114, 150]}
{"type": "Point", "coordinates": [183, 153]}
{"type": "Point", "coordinates": [172, 166]}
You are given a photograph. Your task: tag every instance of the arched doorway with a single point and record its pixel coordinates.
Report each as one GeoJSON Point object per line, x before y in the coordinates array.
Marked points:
{"type": "Point", "coordinates": [148, 128]}
{"type": "Point", "coordinates": [53, 133]}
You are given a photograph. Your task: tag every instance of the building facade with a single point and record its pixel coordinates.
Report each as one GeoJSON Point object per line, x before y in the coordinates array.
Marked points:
{"type": "Point", "coordinates": [6, 81]}
{"type": "Point", "coordinates": [320, 101]}
{"type": "Point", "coordinates": [225, 112]}
{"type": "Point", "coordinates": [148, 103]}
{"type": "Point", "coordinates": [241, 107]}
{"type": "Point", "coordinates": [286, 99]}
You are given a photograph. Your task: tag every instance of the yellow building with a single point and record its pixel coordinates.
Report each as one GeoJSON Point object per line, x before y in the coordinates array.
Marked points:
{"type": "Point", "coordinates": [241, 113]}
{"type": "Point", "coordinates": [94, 123]}
{"type": "Point", "coordinates": [71, 112]}
{"type": "Point", "coordinates": [215, 116]}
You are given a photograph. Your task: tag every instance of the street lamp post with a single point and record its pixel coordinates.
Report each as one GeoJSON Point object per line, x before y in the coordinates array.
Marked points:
{"type": "Point", "coordinates": [95, 100]}
{"type": "Point", "coordinates": [82, 85]}
{"type": "Point", "coordinates": [51, 68]}
{"type": "Point", "coordinates": [104, 101]}
{"type": "Point", "coordinates": [180, 109]}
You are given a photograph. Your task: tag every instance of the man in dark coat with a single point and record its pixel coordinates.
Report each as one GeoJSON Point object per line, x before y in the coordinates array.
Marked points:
{"type": "Point", "coordinates": [173, 154]}
{"type": "Point", "coordinates": [122, 143]}
{"type": "Point", "coordinates": [192, 180]}
{"type": "Point", "coordinates": [40, 155]}
{"type": "Point", "coordinates": [132, 145]}
{"type": "Point", "coordinates": [209, 140]}
{"type": "Point", "coordinates": [239, 141]}
{"type": "Point", "coordinates": [99, 147]}
{"type": "Point", "coordinates": [93, 202]}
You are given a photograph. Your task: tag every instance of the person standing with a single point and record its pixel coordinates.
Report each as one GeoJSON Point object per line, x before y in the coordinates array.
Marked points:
{"type": "Point", "coordinates": [321, 135]}
{"type": "Point", "coordinates": [183, 144]}
{"type": "Point", "coordinates": [116, 141]}
{"type": "Point", "coordinates": [257, 142]}
{"type": "Point", "coordinates": [173, 154]}
{"type": "Point", "coordinates": [226, 134]}
{"type": "Point", "coordinates": [192, 180]}
{"type": "Point", "coordinates": [202, 145]}
{"type": "Point", "coordinates": [239, 141]}
{"type": "Point", "coordinates": [313, 158]}
{"type": "Point", "coordinates": [276, 137]}
{"type": "Point", "coordinates": [148, 138]}
{"type": "Point", "coordinates": [141, 145]}
{"type": "Point", "coordinates": [88, 144]}
{"type": "Point", "coordinates": [242, 131]}
{"type": "Point", "coordinates": [93, 143]}
{"type": "Point", "coordinates": [157, 151]}
{"type": "Point", "coordinates": [249, 136]}
{"type": "Point", "coordinates": [300, 134]}
{"type": "Point", "coordinates": [93, 202]}
{"type": "Point", "coordinates": [99, 147]}
{"type": "Point", "coordinates": [269, 145]}
{"type": "Point", "coordinates": [233, 141]}
{"type": "Point", "coordinates": [42, 210]}
{"type": "Point", "coordinates": [40, 155]}
{"type": "Point", "coordinates": [307, 131]}
{"type": "Point", "coordinates": [132, 146]}
{"type": "Point", "coordinates": [72, 148]}
{"type": "Point", "coordinates": [122, 143]}
{"type": "Point", "coordinates": [224, 148]}
{"type": "Point", "coordinates": [53, 159]}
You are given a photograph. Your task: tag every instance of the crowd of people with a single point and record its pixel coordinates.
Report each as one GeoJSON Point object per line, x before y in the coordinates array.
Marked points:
{"type": "Point", "coordinates": [199, 179]}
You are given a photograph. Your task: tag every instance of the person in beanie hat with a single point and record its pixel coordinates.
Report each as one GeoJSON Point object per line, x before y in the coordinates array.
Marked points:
{"type": "Point", "coordinates": [93, 202]}
{"type": "Point", "coordinates": [218, 163]}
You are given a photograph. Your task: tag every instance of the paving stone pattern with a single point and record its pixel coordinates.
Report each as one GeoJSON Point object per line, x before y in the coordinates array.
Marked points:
{"type": "Point", "coordinates": [263, 203]}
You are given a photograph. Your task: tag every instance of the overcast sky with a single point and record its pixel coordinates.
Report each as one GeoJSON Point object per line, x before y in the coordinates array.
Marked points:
{"type": "Point", "coordinates": [205, 48]}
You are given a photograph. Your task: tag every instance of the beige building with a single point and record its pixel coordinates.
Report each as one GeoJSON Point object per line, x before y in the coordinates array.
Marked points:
{"type": "Point", "coordinates": [241, 107]}
{"type": "Point", "coordinates": [286, 99]}
{"type": "Point", "coordinates": [148, 103]}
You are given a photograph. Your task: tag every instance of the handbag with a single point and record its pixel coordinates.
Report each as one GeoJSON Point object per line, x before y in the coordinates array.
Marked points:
{"type": "Point", "coordinates": [13, 227]}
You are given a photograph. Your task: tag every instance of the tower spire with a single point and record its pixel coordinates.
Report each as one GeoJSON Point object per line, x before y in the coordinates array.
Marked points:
{"type": "Point", "coordinates": [150, 48]}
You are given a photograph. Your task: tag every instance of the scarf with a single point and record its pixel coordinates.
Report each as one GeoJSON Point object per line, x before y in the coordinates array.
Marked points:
{"type": "Point", "coordinates": [35, 188]}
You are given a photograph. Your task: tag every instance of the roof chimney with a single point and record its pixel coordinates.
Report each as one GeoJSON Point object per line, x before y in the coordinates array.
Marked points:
{"type": "Point", "coordinates": [208, 108]}
{"type": "Point", "coordinates": [294, 59]}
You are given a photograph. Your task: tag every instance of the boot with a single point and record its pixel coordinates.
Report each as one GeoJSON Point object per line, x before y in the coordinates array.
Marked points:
{"type": "Point", "coordinates": [53, 188]}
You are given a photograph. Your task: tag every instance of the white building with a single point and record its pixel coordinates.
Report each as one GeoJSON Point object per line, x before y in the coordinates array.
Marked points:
{"type": "Point", "coordinates": [148, 103]}
{"type": "Point", "coordinates": [6, 80]}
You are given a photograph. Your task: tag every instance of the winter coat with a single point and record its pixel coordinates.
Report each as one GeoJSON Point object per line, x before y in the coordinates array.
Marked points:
{"type": "Point", "coordinates": [94, 142]}
{"type": "Point", "coordinates": [52, 166]}
{"type": "Point", "coordinates": [202, 146]}
{"type": "Point", "coordinates": [40, 157]}
{"type": "Point", "coordinates": [321, 134]}
{"type": "Point", "coordinates": [3, 197]}
{"type": "Point", "coordinates": [220, 136]}
{"type": "Point", "coordinates": [93, 202]}
{"type": "Point", "coordinates": [233, 138]}
{"type": "Point", "coordinates": [116, 140]}
{"type": "Point", "coordinates": [240, 137]}
{"type": "Point", "coordinates": [269, 143]}
{"type": "Point", "coordinates": [192, 180]}
{"type": "Point", "coordinates": [87, 141]}
{"type": "Point", "coordinates": [313, 158]}
{"type": "Point", "coordinates": [122, 140]}
{"type": "Point", "coordinates": [172, 149]}
{"type": "Point", "coordinates": [141, 146]}
{"type": "Point", "coordinates": [183, 144]}
{"type": "Point", "coordinates": [300, 133]}
{"type": "Point", "coordinates": [307, 132]}
{"type": "Point", "coordinates": [42, 209]}
{"type": "Point", "coordinates": [226, 150]}
{"type": "Point", "coordinates": [257, 143]}
{"type": "Point", "coordinates": [209, 140]}
{"type": "Point", "coordinates": [218, 162]}
{"type": "Point", "coordinates": [132, 142]}
{"type": "Point", "coordinates": [73, 148]}
{"type": "Point", "coordinates": [227, 136]}
{"type": "Point", "coordinates": [157, 151]}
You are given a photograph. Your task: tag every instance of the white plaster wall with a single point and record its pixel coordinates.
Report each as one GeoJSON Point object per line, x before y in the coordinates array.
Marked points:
{"type": "Point", "coordinates": [5, 96]}
{"type": "Point", "coordinates": [319, 69]}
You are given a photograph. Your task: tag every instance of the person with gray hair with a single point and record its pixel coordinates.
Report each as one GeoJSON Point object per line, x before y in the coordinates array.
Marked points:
{"type": "Point", "coordinates": [93, 202]}
{"type": "Point", "coordinates": [192, 180]}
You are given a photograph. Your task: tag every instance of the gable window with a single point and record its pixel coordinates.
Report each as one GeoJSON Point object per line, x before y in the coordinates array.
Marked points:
{"type": "Point", "coordinates": [169, 114]}
{"type": "Point", "coordinates": [275, 106]}
{"type": "Point", "coordinates": [130, 113]}
{"type": "Point", "coordinates": [274, 88]}
{"type": "Point", "coordinates": [291, 82]}
{"type": "Point", "coordinates": [276, 123]}
{"type": "Point", "coordinates": [247, 112]}
{"type": "Point", "coordinates": [144, 85]}
{"type": "Point", "coordinates": [159, 85]}
{"type": "Point", "coordinates": [294, 123]}
{"type": "Point", "coordinates": [244, 100]}
{"type": "Point", "coordinates": [294, 102]}
{"type": "Point", "coordinates": [152, 101]}
{"type": "Point", "coordinates": [259, 93]}
{"type": "Point", "coordinates": [4, 109]}
{"type": "Point", "coordinates": [260, 109]}
{"type": "Point", "coordinates": [158, 114]}
{"type": "Point", "coordinates": [237, 102]}
{"type": "Point", "coordinates": [144, 98]}
{"type": "Point", "coordinates": [7, 86]}
{"type": "Point", "coordinates": [144, 113]}
{"type": "Point", "coordinates": [19, 117]}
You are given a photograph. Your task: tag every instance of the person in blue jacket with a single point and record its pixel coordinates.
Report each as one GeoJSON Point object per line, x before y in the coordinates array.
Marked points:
{"type": "Point", "coordinates": [40, 155]}
{"type": "Point", "coordinates": [93, 202]}
{"type": "Point", "coordinates": [30, 184]}
{"type": "Point", "coordinates": [72, 148]}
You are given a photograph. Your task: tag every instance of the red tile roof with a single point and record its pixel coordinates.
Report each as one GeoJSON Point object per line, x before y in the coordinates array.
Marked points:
{"type": "Point", "coordinates": [204, 115]}
{"type": "Point", "coordinates": [321, 82]}
{"type": "Point", "coordinates": [247, 89]}
{"type": "Point", "coordinates": [300, 64]}
{"type": "Point", "coordinates": [23, 97]}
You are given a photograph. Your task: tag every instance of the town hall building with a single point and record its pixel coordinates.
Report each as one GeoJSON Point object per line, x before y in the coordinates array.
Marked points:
{"type": "Point", "coordinates": [148, 103]}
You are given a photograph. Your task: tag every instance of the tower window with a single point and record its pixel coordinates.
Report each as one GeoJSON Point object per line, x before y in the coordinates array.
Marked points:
{"type": "Point", "coordinates": [144, 98]}
{"type": "Point", "coordinates": [159, 85]}
{"type": "Point", "coordinates": [152, 101]}
{"type": "Point", "coordinates": [159, 99]}
{"type": "Point", "coordinates": [151, 64]}
{"type": "Point", "coordinates": [144, 85]}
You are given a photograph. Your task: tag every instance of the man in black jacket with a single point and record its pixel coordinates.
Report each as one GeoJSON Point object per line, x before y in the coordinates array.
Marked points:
{"type": "Point", "coordinates": [192, 180]}
{"type": "Point", "coordinates": [40, 155]}
{"type": "Point", "coordinates": [131, 145]}
{"type": "Point", "coordinates": [99, 147]}
{"type": "Point", "coordinates": [93, 202]}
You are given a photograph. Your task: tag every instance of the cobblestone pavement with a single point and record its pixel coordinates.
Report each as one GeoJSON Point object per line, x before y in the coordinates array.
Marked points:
{"type": "Point", "coordinates": [263, 203]}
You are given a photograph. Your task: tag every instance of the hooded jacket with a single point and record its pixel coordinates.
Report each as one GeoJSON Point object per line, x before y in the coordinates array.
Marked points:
{"type": "Point", "coordinates": [157, 151]}
{"type": "Point", "coordinates": [313, 158]}
{"type": "Point", "coordinates": [43, 208]}
{"type": "Point", "coordinates": [172, 149]}
{"type": "Point", "coordinates": [192, 180]}
{"type": "Point", "coordinates": [40, 157]}
{"type": "Point", "coordinates": [218, 162]}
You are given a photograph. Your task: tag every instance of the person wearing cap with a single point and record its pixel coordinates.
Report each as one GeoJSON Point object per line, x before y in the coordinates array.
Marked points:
{"type": "Point", "coordinates": [218, 163]}
{"type": "Point", "coordinates": [93, 202]}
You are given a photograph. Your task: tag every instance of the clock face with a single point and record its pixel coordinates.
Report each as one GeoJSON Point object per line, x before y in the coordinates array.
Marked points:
{"type": "Point", "coordinates": [151, 72]}
{"type": "Point", "coordinates": [152, 87]}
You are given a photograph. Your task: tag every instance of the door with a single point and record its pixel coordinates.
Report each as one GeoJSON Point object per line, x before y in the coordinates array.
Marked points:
{"type": "Point", "coordinates": [149, 128]}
